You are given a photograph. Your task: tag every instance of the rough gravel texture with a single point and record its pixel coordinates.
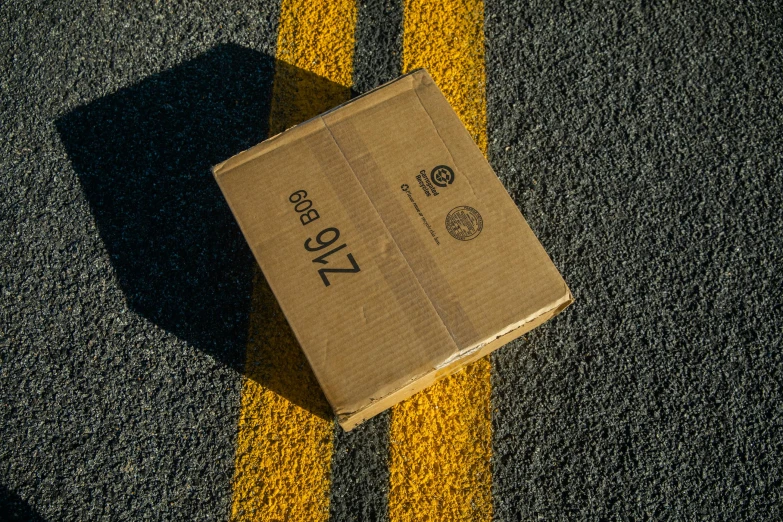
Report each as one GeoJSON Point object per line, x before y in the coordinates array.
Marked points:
{"type": "Point", "coordinates": [125, 282]}
{"type": "Point", "coordinates": [643, 143]}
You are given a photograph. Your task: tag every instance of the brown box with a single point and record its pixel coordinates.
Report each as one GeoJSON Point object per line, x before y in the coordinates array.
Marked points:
{"type": "Point", "coordinates": [391, 245]}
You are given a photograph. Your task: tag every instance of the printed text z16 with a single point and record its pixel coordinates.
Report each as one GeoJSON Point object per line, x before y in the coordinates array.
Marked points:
{"type": "Point", "coordinates": [323, 239]}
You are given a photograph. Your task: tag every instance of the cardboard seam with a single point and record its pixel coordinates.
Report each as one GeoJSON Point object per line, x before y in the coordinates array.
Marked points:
{"type": "Point", "coordinates": [386, 226]}
{"type": "Point", "coordinates": [437, 131]}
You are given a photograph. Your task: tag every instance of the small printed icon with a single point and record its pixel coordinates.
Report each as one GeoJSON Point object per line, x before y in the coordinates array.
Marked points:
{"type": "Point", "coordinates": [464, 223]}
{"type": "Point", "coordinates": [442, 175]}
{"type": "Point", "coordinates": [405, 187]}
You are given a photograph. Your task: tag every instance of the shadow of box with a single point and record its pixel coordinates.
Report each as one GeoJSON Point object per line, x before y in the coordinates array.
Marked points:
{"type": "Point", "coordinates": [144, 156]}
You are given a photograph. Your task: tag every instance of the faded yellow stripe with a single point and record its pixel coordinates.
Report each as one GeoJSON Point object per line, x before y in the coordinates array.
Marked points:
{"type": "Point", "coordinates": [285, 431]}
{"type": "Point", "coordinates": [441, 438]}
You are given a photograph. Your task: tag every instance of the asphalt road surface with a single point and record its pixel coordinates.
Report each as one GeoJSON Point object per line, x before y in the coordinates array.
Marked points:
{"type": "Point", "coordinates": [643, 142]}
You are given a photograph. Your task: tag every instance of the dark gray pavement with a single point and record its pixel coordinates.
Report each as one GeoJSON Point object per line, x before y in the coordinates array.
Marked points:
{"type": "Point", "coordinates": [123, 277]}
{"type": "Point", "coordinates": [643, 142]}
{"type": "Point", "coordinates": [644, 145]}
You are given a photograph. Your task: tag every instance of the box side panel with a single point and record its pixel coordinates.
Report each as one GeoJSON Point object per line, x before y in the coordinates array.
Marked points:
{"type": "Point", "coordinates": [350, 421]}
{"type": "Point", "coordinates": [361, 316]}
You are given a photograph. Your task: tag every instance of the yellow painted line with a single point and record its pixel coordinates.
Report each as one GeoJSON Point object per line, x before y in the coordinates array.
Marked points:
{"type": "Point", "coordinates": [284, 440]}
{"type": "Point", "coordinates": [447, 37]}
{"type": "Point", "coordinates": [441, 438]}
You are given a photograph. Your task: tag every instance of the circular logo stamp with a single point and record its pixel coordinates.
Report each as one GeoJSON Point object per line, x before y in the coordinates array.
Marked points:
{"type": "Point", "coordinates": [442, 176]}
{"type": "Point", "coordinates": [464, 223]}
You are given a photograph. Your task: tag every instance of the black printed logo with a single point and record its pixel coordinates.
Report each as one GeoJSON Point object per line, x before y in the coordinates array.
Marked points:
{"type": "Point", "coordinates": [442, 176]}
{"type": "Point", "coordinates": [464, 223]}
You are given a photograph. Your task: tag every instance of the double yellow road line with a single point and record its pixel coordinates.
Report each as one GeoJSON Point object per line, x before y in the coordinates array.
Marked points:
{"type": "Point", "coordinates": [440, 439]}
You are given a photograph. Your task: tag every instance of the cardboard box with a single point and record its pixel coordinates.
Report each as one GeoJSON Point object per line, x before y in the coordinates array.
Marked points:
{"type": "Point", "coordinates": [394, 250]}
